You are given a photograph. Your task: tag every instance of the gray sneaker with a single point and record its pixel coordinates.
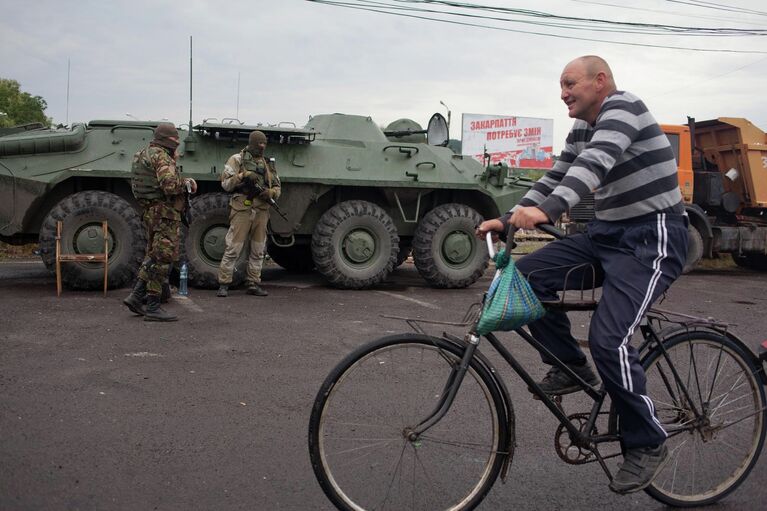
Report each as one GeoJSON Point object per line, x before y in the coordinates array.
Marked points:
{"type": "Point", "coordinates": [557, 382]}
{"type": "Point", "coordinates": [639, 468]}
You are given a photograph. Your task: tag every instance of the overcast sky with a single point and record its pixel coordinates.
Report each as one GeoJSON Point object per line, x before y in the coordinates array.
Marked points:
{"type": "Point", "coordinates": [296, 58]}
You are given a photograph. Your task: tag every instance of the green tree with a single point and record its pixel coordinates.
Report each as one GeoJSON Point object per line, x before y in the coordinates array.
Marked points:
{"type": "Point", "coordinates": [18, 107]}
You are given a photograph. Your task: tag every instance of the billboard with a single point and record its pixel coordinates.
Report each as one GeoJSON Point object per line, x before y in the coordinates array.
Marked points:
{"type": "Point", "coordinates": [524, 142]}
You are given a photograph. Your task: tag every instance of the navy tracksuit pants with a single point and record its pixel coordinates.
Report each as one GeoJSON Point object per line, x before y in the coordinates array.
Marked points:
{"type": "Point", "coordinates": [634, 262]}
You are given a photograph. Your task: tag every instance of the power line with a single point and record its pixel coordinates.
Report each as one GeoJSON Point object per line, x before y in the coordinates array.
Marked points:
{"type": "Point", "coordinates": [384, 8]}
{"type": "Point", "coordinates": [672, 13]}
{"type": "Point", "coordinates": [579, 23]}
{"type": "Point", "coordinates": [718, 7]}
{"type": "Point", "coordinates": [709, 79]}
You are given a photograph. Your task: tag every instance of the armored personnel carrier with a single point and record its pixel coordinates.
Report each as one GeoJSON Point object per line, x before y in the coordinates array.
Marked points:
{"type": "Point", "coordinates": [357, 199]}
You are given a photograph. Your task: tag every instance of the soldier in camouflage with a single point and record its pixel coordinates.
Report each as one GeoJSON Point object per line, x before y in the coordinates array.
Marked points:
{"type": "Point", "coordinates": [253, 182]}
{"type": "Point", "coordinates": [160, 192]}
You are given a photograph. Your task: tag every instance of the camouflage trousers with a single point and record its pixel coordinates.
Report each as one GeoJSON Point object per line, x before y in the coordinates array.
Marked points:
{"type": "Point", "coordinates": [163, 236]}
{"type": "Point", "coordinates": [244, 225]}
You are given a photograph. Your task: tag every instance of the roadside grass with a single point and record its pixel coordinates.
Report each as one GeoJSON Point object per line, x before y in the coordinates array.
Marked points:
{"type": "Point", "coordinates": [17, 251]}
{"type": "Point", "coordinates": [722, 262]}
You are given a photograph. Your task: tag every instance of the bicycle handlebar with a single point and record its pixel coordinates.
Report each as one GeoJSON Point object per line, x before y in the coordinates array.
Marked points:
{"type": "Point", "coordinates": [545, 228]}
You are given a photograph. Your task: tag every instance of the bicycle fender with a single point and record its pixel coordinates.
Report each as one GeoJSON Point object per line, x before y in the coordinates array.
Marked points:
{"type": "Point", "coordinates": [504, 392]}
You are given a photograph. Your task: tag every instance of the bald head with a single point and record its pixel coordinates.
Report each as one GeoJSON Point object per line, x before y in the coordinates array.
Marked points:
{"type": "Point", "coordinates": [585, 83]}
{"type": "Point", "coordinates": [594, 65]}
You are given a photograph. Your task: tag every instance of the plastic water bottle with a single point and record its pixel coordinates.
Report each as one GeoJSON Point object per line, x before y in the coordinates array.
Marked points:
{"type": "Point", "coordinates": [183, 288]}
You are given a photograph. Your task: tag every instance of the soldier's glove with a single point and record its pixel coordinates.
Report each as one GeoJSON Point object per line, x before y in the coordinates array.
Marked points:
{"type": "Point", "coordinates": [248, 176]}
{"type": "Point", "coordinates": [190, 185]}
{"type": "Point", "coordinates": [266, 194]}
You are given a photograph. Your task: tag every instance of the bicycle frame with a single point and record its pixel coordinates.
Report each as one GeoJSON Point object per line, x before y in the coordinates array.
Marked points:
{"type": "Point", "coordinates": [652, 340]}
{"type": "Point", "coordinates": [458, 372]}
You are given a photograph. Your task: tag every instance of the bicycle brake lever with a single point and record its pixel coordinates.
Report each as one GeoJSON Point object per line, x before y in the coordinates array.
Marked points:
{"type": "Point", "coordinates": [510, 238]}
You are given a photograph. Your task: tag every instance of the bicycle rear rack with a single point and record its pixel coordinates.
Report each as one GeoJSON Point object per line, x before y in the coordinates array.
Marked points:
{"type": "Point", "coordinates": [469, 318]}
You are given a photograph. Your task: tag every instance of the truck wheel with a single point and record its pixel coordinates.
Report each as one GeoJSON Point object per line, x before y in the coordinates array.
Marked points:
{"type": "Point", "coordinates": [752, 261]}
{"type": "Point", "coordinates": [297, 258]}
{"type": "Point", "coordinates": [204, 243]}
{"type": "Point", "coordinates": [81, 215]}
{"type": "Point", "coordinates": [445, 250]}
{"type": "Point", "coordinates": [694, 249]}
{"type": "Point", "coordinates": [355, 244]}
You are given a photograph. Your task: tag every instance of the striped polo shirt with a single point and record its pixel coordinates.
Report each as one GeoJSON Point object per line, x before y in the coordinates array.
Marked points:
{"type": "Point", "coordinates": [625, 159]}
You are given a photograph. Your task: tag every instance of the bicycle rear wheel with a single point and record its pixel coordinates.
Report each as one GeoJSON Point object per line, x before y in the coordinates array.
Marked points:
{"type": "Point", "coordinates": [358, 430]}
{"type": "Point", "coordinates": [710, 455]}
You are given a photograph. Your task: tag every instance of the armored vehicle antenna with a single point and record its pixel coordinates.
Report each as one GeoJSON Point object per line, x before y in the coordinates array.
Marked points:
{"type": "Point", "coordinates": [190, 84]}
{"type": "Point", "coordinates": [189, 144]}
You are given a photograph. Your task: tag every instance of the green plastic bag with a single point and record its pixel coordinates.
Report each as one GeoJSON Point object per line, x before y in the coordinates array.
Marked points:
{"type": "Point", "coordinates": [510, 302]}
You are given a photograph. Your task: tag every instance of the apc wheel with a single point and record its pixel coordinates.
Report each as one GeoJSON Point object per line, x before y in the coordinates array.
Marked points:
{"type": "Point", "coordinates": [297, 258]}
{"type": "Point", "coordinates": [204, 243]}
{"type": "Point", "coordinates": [81, 215]}
{"type": "Point", "coordinates": [694, 249]}
{"type": "Point", "coordinates": [445, 250]}
{"type": "Point", "coordinates": [355, 245]}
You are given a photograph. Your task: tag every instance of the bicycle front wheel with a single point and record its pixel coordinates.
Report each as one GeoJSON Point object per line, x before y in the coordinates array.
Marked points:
{"type": "Point", "coordinates": [359, 441]}
{"type": "Point", "coordinates": [716, 430]}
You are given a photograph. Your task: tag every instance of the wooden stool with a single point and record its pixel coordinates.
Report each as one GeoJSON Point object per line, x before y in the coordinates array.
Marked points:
{"type": "Point", "coordinates": [81, 258]}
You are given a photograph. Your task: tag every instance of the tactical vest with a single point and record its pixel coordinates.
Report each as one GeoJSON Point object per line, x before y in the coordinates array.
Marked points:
{"type": "Point", "coordinates": [258, 165]}
{"type": "Point", "coordinates": [144, 177]}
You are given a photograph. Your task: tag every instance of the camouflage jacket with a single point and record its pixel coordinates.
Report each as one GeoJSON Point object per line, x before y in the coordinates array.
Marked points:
{"type": "Point", "coordinates": [233, 180]}
{"type": "Point", "coordinates": [156, 182]}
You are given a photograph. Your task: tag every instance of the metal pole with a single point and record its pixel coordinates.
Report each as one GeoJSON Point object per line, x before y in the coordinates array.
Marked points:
{"type": "Point", "coordinates": [237, 114]}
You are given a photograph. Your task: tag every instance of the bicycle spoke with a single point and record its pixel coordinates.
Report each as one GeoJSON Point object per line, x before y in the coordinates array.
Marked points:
{"type": "Point", "coordinates": [463, 445]}
{"type": "Point", "coordinates": [396, 470]}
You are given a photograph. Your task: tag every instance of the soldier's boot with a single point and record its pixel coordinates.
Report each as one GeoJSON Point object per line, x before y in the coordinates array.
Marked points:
{"type": "Point", "coordinates": [135, 300]}
{"type": "Point", "coordinates": [223, 291]}
{"type": "Point", "coordinates": [256, 290]}
{"type": "Point", "coordinates": [156, 313]}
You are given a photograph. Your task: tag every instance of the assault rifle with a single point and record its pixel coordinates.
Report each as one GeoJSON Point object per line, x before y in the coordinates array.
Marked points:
{"type": "Point", "coordinates": [255, 189]}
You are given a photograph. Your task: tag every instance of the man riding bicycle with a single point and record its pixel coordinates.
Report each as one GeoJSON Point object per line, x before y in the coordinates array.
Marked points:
{"type": "Point", "coordinates": [636, 245]}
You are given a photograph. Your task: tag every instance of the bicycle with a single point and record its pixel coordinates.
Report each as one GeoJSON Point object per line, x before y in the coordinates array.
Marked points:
{"type": "Point", "coordinates": [415, 421]}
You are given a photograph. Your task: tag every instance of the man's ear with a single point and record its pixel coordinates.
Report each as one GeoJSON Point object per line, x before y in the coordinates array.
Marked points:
{"type": "Point", "coordinates": [600, 80]}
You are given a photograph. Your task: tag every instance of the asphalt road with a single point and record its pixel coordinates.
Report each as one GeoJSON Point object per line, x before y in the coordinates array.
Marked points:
{"type": "Point", "coordinates": [100, 410]}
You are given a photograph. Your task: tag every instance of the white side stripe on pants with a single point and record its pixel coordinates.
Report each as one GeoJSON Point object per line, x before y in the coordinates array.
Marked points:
{"type": "Point", "coordinates": [628, 384]}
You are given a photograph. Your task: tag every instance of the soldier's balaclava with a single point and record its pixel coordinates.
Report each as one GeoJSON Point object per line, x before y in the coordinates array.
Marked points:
{"type": "Point", "coordinates": [255, 138]}
{"type": "Point", "coordinates": [163, 133]}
